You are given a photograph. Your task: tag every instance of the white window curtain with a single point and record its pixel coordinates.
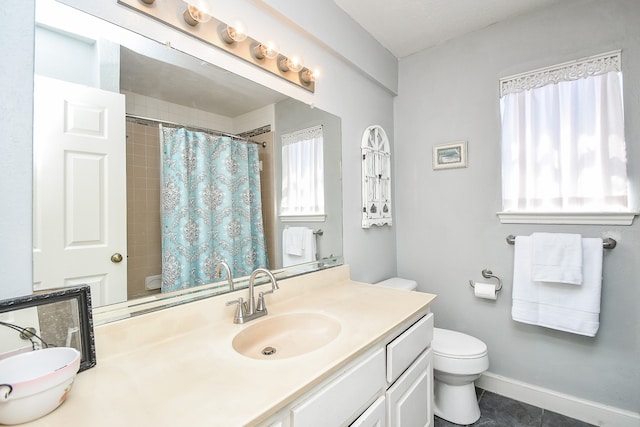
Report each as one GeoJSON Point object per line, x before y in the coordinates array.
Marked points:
{"type": "Point", "coordinates": [563, 146]}
{"type": "Point", "coordinates": [303, 173]}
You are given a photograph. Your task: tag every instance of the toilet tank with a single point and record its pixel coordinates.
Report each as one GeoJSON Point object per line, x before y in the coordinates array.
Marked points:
{"type": "Point", "coordinates": [399, 283]}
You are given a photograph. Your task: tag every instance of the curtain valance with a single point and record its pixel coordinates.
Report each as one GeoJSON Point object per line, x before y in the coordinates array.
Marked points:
{"type": "Point", "coordinates": [568, 71]}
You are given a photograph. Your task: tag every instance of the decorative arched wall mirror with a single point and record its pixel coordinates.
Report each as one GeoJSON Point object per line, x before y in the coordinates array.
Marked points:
{"type": "Point", "coordinates": [376, 177]}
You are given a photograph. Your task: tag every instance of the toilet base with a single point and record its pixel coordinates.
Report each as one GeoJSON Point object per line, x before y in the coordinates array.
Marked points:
{"type": "Point", "coordinates": [456, 403]}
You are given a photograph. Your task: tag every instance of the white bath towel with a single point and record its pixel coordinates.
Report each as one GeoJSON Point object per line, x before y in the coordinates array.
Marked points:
{"type": "Point", "coordinates": [559, 306]}
{"type": "Point", "coordinates": [556, 257]}
{"type": "Point", "coordinates": [308, 244]}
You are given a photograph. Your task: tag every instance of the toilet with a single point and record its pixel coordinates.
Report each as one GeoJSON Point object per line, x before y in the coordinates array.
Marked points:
{"type": "Point", "coordinates": [458, 360]}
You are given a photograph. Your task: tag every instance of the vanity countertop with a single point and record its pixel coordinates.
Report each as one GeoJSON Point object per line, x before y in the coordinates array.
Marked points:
{"type": "Point", "coordinates": [177, 366]}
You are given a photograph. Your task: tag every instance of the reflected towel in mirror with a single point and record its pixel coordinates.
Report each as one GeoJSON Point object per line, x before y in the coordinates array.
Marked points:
{"type": "Point", "coordinates": [298, 240]}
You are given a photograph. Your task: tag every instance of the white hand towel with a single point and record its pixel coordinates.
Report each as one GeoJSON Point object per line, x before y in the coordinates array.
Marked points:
{"type": "Point", "coordinates": [294, 240]}
{"type": "Point", "coordinates": [561, 306]}
{"type": "Point", "coordinates": [306, 242]}
{"type": "Point", "coordinates": [556, 257]}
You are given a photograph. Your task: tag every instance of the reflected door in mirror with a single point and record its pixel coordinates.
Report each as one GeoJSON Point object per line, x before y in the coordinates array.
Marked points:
{"type": "Point", "coordinates": [79, 189]}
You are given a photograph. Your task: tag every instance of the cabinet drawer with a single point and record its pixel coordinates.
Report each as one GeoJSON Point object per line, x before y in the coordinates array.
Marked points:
{"type": "Point", "coordinates": [402, 351]}
{"type": "Point", "coordinates": [339, 401]}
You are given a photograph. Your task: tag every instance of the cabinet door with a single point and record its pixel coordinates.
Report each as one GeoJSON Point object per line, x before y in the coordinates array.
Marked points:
{"type": "Point", "coordinates": [374, 416]}
{"type": "Point", "coordinates": [410, 399]}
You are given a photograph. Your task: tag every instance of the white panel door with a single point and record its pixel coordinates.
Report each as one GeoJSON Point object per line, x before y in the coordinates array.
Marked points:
{"type": "Point", "coordinates": [79, 189]}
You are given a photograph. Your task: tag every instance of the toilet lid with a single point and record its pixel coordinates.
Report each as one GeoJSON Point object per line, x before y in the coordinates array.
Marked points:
{"type": "Point", "coordinates": [457, 345]}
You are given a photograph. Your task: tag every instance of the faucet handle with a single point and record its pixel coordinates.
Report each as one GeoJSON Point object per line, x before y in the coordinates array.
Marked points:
{"type": "Point", "coordinates": [239, 317]}
{"type": "Point", "coordinates": [260, 306]}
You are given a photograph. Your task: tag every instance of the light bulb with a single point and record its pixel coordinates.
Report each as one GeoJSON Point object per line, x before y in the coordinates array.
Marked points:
{"type": "Point", "coordinates": [236, 31]}
{"type": "Point", "coordinates": [266, 50]}
{"type": "Point", "coordinates": [293, 63]}
{"type": "Point", "coordinates": [193, 15]}
{"type": "Point", "coordinates": [307, 76]}
{"type": "Point", "coordinates": [272, 49]}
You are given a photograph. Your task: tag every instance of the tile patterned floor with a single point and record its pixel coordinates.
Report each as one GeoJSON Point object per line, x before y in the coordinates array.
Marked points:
{"type": "Point", "coordinates": [500, 411]}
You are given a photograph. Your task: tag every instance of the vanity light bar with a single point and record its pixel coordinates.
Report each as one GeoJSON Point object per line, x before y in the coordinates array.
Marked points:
{"type": "Point", "coordinates": [216, 33]}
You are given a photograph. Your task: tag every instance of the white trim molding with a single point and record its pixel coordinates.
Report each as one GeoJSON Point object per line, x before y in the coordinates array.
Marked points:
{"type": "Point", "coordinates": [303, 218]}
{"type": "Point", "coordinates": [578, 218]}
{"type": "Point", "coordinates": [567, 71]}
{"type": "Point", "coordinates": [570, 406]}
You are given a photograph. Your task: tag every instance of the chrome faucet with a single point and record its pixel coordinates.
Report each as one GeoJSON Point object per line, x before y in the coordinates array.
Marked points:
{"type": "Point", "coordinates": [221, 265]}
{"type": "Point", "coordinates": [249, 310]}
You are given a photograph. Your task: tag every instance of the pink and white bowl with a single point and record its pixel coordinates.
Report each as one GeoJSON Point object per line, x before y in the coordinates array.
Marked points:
{"type": "Point", "coordinates": [35, 383]}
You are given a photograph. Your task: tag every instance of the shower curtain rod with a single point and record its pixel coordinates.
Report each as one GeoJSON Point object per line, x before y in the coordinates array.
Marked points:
{"type": "Point", "coordinates": [195, 128]}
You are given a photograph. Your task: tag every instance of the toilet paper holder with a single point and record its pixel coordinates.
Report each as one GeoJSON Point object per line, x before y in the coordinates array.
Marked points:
{"type": "Point", "coordinates": [488, 274]}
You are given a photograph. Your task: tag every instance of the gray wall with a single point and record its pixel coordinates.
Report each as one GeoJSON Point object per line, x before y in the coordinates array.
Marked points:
{"type": "Point", "coordinates": [446, 224]}
{"type": "Point", "coordinates": [16, 112]}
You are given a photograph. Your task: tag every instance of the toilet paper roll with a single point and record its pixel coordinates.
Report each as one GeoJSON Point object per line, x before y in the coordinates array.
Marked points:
{"type": "Point", "coordinates": [485, 290]}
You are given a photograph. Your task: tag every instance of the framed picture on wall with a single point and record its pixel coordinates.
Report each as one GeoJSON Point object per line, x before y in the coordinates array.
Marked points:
{"type": "Point", "coordinates": [448, 156]}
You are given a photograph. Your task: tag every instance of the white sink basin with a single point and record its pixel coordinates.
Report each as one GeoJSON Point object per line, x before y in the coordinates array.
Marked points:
{"type": "Point", "coordinates": [286, 335]}
{"type": "Point", "coordinates": [35, 383]}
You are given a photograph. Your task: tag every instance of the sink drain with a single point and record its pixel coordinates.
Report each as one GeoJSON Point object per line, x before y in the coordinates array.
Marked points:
{"type": "Point", "coordinates": [268, 351]}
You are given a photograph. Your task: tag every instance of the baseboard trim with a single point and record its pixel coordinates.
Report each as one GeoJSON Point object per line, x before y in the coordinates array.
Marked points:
{"type": "Point", "coordinates": [570, 406]}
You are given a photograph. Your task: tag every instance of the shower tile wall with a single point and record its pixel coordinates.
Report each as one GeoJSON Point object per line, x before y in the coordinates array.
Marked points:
{"type": "Point", "coordinates": [145, 106]}
{"type": "Point", "coordinates": [143, 207]}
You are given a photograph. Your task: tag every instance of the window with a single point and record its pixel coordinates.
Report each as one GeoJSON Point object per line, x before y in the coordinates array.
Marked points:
{"type": "Point", "coordinates": [303, 173]}
{"type": "Point", "coordinates": [563, 147]}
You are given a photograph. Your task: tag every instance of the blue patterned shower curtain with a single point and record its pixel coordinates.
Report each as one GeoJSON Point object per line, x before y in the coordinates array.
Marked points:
{"type": "Point", "coordinates": [211, 208]}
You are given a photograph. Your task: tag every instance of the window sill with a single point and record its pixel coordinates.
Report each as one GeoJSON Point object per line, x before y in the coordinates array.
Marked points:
{"type": "Point", "coordinates": [579, 218]}
{"type": "Point", "coordinates": [303, 218]}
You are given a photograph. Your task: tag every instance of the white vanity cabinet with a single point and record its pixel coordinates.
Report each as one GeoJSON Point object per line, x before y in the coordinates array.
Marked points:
{"type": "Point", "coordinates": [390, 385]}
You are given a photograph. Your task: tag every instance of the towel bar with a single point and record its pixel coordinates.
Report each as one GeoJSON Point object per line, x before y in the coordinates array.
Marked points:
{"type": "Point", "coordinates": [607, 242]}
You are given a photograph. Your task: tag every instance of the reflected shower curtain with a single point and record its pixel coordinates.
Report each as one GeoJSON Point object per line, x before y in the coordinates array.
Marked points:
{"type": "Point", "coordinates": [211, 208]}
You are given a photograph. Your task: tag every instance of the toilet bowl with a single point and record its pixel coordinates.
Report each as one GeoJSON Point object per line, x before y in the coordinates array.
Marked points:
{"type": "Point", "coordinates": [458, 360]}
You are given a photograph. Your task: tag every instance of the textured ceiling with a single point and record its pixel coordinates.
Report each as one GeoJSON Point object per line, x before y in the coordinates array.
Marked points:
{"type": "Point", "coordinates": [405, 27]}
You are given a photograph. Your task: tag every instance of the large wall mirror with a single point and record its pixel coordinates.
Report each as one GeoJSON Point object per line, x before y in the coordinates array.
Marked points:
{"type": "Point", "coordinates": [117, 82]}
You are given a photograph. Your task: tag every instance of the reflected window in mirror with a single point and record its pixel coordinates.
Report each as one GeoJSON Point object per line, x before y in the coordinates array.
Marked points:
{"type": "Point", "coordinates": [303, 173]}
